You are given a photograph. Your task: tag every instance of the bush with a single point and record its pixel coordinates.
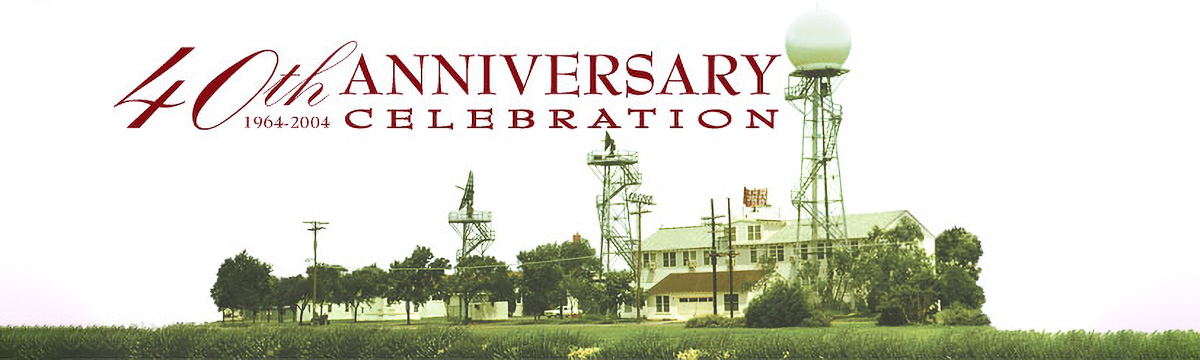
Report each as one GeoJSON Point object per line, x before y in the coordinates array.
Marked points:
{"type": "Point", "coordinates": [891, 315]}
{"type": "Point", "coordinates": [818, 319]}
{"type": "Point", "coordinates": [961, 315]}
{"type": "Point", "coordinates": [714, 321]}
{"type": "Point", "coordinates": [783, 304]}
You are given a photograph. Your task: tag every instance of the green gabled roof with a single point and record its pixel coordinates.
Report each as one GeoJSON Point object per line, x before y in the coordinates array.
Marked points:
{"type": "Point", "coordinates": [698, 237]}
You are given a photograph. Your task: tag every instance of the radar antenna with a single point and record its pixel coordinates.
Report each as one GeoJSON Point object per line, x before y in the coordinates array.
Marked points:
{"type": "Point", "coordinates": [473, 227]}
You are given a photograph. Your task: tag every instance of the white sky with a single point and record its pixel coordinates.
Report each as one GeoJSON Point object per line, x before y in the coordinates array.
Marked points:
{"type": "Point", "coordinates": [1059, 132]}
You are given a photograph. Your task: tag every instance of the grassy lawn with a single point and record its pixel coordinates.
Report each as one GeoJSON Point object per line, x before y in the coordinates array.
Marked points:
{"type": "Point", "coordinates": [552, 338]}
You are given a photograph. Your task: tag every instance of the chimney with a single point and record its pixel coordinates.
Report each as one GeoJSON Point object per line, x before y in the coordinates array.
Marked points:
{"type": "Point", "coordinates": [575, 238]}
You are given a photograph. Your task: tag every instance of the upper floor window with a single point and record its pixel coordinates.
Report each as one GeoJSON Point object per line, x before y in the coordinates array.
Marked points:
{"type": "Point", "coordinates": [668, 259]}
{"type": "Point", "coordinates": [754, 232]}
{"type": "Point", "coordinates": [689, 258]}
{"type": "Point", "coordinates": [753, 255]}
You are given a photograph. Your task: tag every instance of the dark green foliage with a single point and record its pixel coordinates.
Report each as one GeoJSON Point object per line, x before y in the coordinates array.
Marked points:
{"type": "Point", "coordinates": [818, 319]}
{"type": "Point", "coordinates": [714, 321]}
{"type": "Point", "coordinates": [540, 288]}
{"type": "Point", "coordinates": [243, 283]}
{"type": "Point", "coordinates": [289, 292]}
{"type": "Point", "coordinates": [959, 315]}
{"type": "Point", "coordinates": [414, 280]}
{"type": "Point", "coordinates": [783, 304]}
{"type": "Point", "coordinates": [360, 286]}
{"type": "Point", "coordinates": [480, 277]}
{"type": "Point", "coordinates": [957, 254]}
{"type": "Point", "coordinates": [891, 314]}
{"type": "Point", "coordinates": [547, 285]}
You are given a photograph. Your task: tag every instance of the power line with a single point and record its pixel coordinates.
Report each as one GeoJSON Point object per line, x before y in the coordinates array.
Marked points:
{"type": "Point", "coordinates": [496, 265]}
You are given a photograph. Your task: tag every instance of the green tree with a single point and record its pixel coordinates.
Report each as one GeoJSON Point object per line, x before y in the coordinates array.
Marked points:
{"type": "Point", "coordinates": [288, 293]}
{"type": "Point", "coordinates": [360, 287]}
{"type": "Point", "coordinates": [539, 284]}
{"type": "Point", "coordinates": [415, 286]}
{"type": "Point", "coordinates": [552, 273]}
{"type": "Point", "coordinates": [957, 254]}
{"type": "Point", "coordinates": [612, 291]}
{"type": "Point", "coordinates": [897, 275]}
{"type": "Point", "coordinates": [479, 276]}
{"type": "Point", "coordinates": [329, 283]}
{"type": "Point", "coordinates": [243, 283]}
{"type": "Point", "coordinates": [783, 304]}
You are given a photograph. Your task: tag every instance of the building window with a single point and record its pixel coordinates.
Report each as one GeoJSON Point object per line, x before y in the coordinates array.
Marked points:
{"type": "Point", "coordinates": [824, 250]}
{"type": "Point", "coordinates": [668, 259]}
{"type": "Point", "coordinates": [753, 255]}
{"type": "Point", "coordinates": [662, 304]}
{"type": "Point", "coordinates": [803, 251]}
{"type": "Point", "coordinates": [695, 300]}
{"type": "Point", "coordinates": [732, 234]}
{"type": "Point", "coordinates": [754, 232]}
{"type": "Point", "coordinates": [707, 257]}
{"type": "Point", "coordinates": [689, 258]}
{"type": "Point", "coordinates": [648, 259]}
{"type": "Point", "coordinates": [731, 302]}
{"type": "Point", "coordinates": [776, 252]}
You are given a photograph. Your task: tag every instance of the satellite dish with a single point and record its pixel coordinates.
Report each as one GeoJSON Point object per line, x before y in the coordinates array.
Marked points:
{"type": "Point", "coordinates": [818, 40]}
{"type": "Point", "coordinates": [468, 199]}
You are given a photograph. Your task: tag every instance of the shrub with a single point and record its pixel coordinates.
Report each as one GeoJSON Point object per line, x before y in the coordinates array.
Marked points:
{"type": "Point", "coordinates": [714, 321]}
{"type": "Point", "coordinates": [891, 315]}
{"type": "Point", "coordinates": [782, 304]}
{"type": "Point", "coordinates": [961, 315]}
{"type": "Point", "coordinates": [818, 319]}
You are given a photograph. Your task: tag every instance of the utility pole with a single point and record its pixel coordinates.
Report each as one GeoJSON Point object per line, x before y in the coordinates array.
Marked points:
{"type": "Point", "coordinates": [316, 226]}
{"type": "Point", "coordinates": [712, 254]}
{"type": "Point", "coordinates": [729, 231]}
{"type": "Point", "coordinates": [640, 200]}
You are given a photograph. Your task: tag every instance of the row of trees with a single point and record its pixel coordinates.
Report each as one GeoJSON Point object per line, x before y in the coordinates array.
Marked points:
{"type": "Point", "coordinates": [550, 275]}
{"type": "Point", "coordinates": [553, 273]}
{"type": "Point", "coordinates": [246, 285]}
{"type": "Point", "coordinates": [889, 274]}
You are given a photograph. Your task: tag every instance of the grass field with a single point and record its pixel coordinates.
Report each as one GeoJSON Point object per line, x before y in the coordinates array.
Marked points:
{"type": "Point", "coordinates": [558, 339]}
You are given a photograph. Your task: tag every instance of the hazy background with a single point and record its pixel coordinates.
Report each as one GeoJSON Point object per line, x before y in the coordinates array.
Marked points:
{"type": "Point", "coordinates": [1058, 132]}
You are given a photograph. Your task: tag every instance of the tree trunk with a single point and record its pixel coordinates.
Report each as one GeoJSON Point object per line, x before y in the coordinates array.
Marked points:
{"type": "Point", "coordinates": [408, 313]}
{"type": "Point", "coordinates": [300, 313]}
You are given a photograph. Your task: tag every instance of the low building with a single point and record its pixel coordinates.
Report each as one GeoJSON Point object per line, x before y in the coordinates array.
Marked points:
{"type": "Point", "coordinates": [379, 310]}
{"type": "Point", "coordinates": [678, 275]}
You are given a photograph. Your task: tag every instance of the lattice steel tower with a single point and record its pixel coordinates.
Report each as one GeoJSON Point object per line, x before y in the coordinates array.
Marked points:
{"type": "Point", "coordinates": [473, 227]}
{"type": "Point", "coordinates": [620, 179]}
{"type": "Point", "coordinates": [818, 43]}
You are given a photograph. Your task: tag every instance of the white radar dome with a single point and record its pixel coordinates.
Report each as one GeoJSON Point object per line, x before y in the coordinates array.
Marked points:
{"type": "Point", "coordinates": [818, 40]}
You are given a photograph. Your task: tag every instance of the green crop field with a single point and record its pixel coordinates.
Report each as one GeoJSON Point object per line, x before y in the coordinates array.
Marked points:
{"type": "Point", "coordinates": [550, 340]}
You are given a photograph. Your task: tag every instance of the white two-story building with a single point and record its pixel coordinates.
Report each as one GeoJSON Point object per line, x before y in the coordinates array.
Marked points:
{"type": "Point", "coordinates": [678, 276]}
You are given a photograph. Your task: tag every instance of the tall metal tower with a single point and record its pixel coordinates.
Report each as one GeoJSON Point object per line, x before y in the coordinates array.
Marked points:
{"type": "Point", "coordinates": [620, 179]}
{"type": "Point", "coordinates": [474, 227]}
{"type": "Point", "coordinates": [818, 43]}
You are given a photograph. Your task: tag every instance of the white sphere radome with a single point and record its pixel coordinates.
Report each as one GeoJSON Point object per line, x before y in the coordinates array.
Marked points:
{"type": "Point", "coordinates": [818, 39]}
